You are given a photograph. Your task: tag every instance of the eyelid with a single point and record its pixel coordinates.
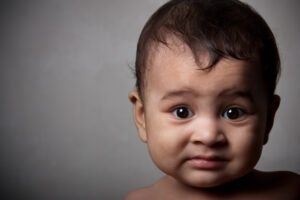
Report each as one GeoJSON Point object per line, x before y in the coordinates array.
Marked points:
{"type": "Point", "coordinates": [178, 106]}
{"type": "Point", "coordinates": [242, 113]}
{"type": "Point", "coordinates": [174, 109]}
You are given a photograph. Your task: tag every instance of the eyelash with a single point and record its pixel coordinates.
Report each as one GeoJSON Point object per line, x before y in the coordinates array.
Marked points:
{"type": "Point", "coordinates": [240, 113]}
{"type": "Point", "coordinates": [188, 113]}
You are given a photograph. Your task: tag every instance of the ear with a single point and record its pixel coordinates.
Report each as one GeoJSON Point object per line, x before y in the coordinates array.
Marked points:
{"type": "Point", "coordinates": [138, 114]}
{"type": "Point", "coordinates": [272, 108]}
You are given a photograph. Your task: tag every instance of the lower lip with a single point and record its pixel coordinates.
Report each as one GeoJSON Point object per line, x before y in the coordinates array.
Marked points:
{"type": "Point", "coordinates": [206, 164]}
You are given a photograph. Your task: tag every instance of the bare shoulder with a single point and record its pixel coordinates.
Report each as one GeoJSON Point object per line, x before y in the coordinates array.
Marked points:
{"type": "Point", "coordinates": [144, 193]}
{"type": "Point", "coordinates": [283, 184]}
{"type": "Point", "coordinates": [286, 178]}
{"type": "Point", "coordinates": [291, 179]}
{"type": "Point", "coordinates": [290, 184]}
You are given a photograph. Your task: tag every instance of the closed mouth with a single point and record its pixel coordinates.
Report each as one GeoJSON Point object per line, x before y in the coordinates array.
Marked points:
{"type": "Point", "coordinates": [207, 162]}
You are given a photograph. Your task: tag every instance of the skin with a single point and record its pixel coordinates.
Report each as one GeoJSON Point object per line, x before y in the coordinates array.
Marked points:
{"type": "Point", "coordinates": [204, 150]}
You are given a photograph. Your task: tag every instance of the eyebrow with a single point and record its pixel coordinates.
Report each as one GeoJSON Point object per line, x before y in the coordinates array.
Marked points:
{"type": "Point", "coordinates": [179, 93]}
{"type": "Point", "coordinates": [244, 93]}
{"type": "Point", "coordinates": [225, 93]}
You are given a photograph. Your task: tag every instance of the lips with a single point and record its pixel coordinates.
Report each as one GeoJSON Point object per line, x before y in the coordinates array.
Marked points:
{"type": "Point", "coordinates": [207, 162]}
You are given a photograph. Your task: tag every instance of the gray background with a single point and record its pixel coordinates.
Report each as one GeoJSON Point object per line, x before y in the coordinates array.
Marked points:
{"type": "Point", "coordinates": [66, 128]}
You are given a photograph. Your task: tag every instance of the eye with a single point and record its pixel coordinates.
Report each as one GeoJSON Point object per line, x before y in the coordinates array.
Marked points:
{"type": "Point", "coordinates": [233, 113]}
{"type": "Point", "coordinates": [182, 112]}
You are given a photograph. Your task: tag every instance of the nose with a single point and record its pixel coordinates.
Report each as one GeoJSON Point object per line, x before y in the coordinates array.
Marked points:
{"type": "Point", "coordinates": [208, 132]}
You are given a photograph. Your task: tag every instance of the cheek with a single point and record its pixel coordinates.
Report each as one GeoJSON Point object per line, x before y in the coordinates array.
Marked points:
{"type": "Point", "coordinates": [165, 143]}
{"type": "Point", "coordinates": [163, 152]}
{"type": "Point", "coordinates": [247, 142]}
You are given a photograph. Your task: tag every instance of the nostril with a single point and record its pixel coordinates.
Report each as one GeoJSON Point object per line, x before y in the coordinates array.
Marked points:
{"type": "Point", "coordinates": [209, 138]}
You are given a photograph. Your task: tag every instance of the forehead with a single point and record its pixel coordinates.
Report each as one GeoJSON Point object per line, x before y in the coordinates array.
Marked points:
{"type": "Point", "coordinates": [173, 67]}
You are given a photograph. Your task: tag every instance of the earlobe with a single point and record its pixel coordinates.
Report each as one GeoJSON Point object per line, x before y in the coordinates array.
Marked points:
{"type": "Point", "coordinates": [138, 114]}
{"type": "Point", "coordinates": [272, 108]}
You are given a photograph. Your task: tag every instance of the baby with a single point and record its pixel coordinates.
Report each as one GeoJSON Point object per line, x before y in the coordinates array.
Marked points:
{"type": "Point", "coordinates": [204, 102]}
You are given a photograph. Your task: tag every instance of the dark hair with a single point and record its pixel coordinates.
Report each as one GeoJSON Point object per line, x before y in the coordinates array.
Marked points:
{"type": "Point", "coordinates": [223, 28]}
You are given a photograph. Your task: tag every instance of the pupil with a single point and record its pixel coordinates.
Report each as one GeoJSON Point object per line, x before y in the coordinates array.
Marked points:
{"type": "Point", "coordinates": [233, 114]}
{"type": "Point", "coordinates": [182, 112]}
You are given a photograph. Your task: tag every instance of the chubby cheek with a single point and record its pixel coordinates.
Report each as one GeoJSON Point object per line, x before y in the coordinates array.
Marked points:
{"type": "Point", "coordinates": [246, 145]}
{"type": "Point", "coordinates": [165, 143]}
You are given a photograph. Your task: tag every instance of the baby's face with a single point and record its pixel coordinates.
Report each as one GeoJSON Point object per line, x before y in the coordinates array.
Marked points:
{"type": "Point", "coordinates": [203, 127]}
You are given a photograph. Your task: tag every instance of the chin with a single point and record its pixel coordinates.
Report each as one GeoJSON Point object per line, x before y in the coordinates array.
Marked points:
{"type": "Point", "coordinates": [203, 182]}
{"type": "Point", "coordinates": [207, 184]}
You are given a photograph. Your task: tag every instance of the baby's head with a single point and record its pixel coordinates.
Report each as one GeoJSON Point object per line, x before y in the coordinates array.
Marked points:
{"type": "Point", "coordinates": [206, 75]}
